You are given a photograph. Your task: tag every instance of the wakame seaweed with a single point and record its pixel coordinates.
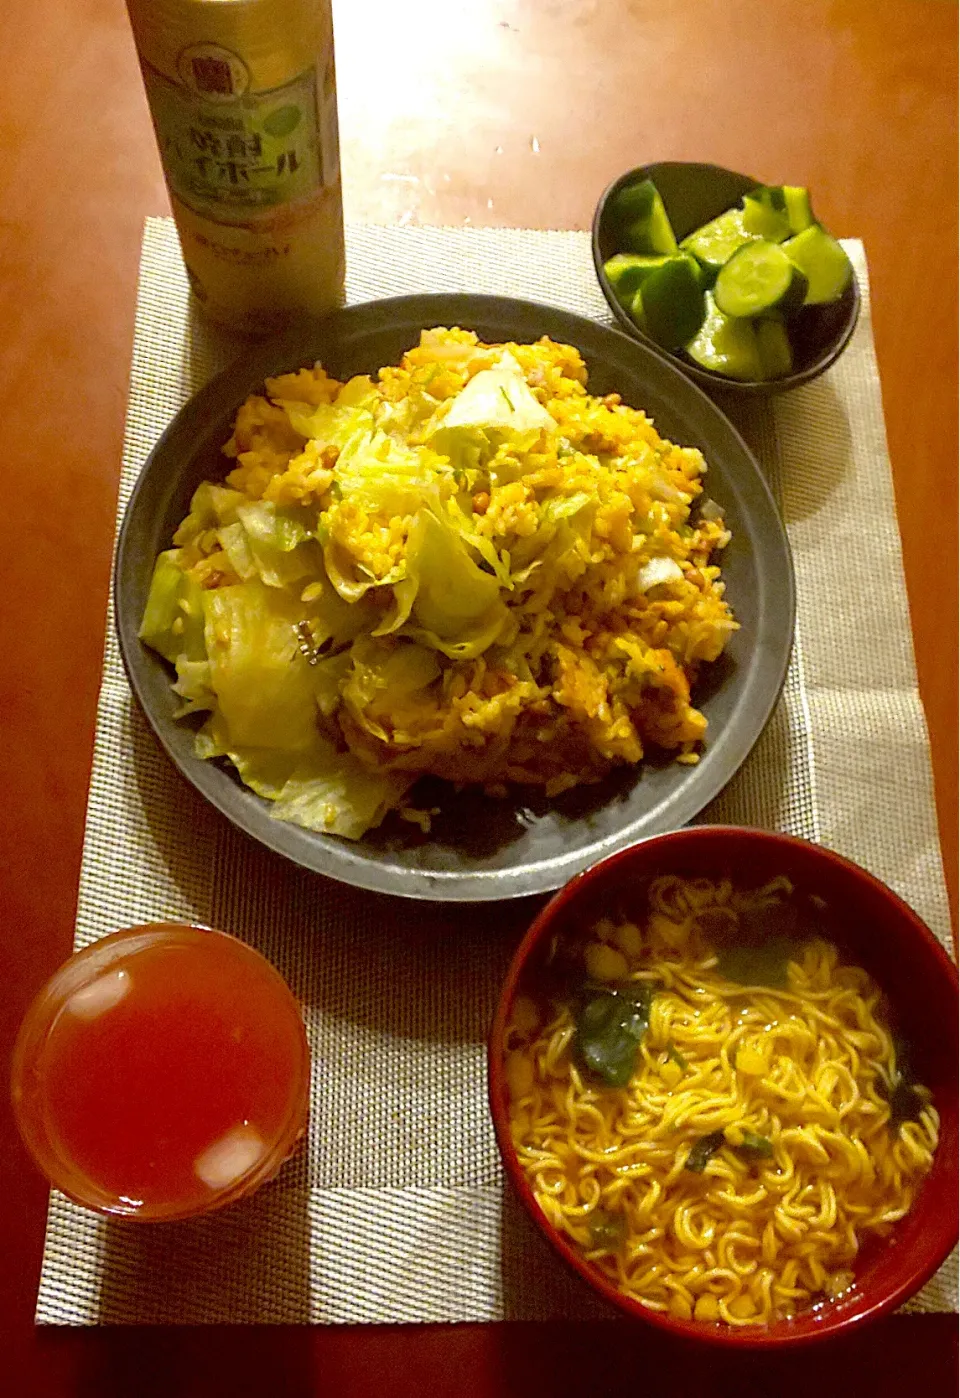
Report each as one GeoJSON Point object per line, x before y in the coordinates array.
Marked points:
{"type": "Point", "coordinates": [609, 1027]}
{"type": "Point", "coordinates": [906, 1097]}
{"type": "Point", "coordinates": [759, 965]}
{"type": "Point", "coordinates": [752, 1147]}
{"type": "Point", "coordinates": [607, 1230]}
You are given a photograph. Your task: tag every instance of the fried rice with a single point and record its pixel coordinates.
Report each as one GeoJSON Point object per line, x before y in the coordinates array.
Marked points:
{"type": "Point", "coordinates": [466, 566]}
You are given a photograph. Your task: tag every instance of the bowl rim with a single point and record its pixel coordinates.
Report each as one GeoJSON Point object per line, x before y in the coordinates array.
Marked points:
{"type": "Point", "coordinates": [830, 1326]}
{"type": "Point", "coordinates": [704, 377]}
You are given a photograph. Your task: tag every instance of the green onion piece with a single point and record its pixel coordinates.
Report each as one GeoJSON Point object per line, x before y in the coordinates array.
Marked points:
{"type": "Point", "coordinates": [702, 1150]}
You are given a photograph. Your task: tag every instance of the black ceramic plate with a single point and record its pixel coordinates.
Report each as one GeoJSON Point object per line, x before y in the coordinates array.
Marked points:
{"type": "Point", "coordinates": [481, 848]}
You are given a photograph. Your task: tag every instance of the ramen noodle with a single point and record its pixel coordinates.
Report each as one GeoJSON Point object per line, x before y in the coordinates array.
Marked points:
{"type": "Point", "coordinates": [712, 1107]}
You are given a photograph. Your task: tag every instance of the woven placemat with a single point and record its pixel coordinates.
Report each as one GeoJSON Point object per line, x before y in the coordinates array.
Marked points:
{"type": "Point", "coordinates": [396, 1210]}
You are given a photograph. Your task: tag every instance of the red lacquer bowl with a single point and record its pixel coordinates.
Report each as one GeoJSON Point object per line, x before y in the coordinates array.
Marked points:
{"type": "Point", "coordinates": [880, 933]}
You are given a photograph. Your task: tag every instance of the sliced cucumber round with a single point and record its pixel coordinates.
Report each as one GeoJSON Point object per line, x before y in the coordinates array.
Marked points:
{"type": "Point", "coordinates": [645, 227]}
{"type": "Point", "coordinates": [725, 346]}
{"type": "Point", "coordinates": [671, 303]}
{"type": "Point", "coordinates": [717, 241]}
{"type": "Point", "coordinates": [759, 277]}
{"type": "Point", "coordinates": [823, 262]}
{"type": "Point", "coordinates": [627, 271]}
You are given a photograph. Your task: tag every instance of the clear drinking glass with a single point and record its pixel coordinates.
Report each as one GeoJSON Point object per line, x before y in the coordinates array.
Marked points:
{"type": "Point", "coordinates": [161, 1073]}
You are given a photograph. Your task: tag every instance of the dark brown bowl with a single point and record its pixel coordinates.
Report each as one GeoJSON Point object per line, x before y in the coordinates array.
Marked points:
{"type": "Point", "coordinates": [692, 195]}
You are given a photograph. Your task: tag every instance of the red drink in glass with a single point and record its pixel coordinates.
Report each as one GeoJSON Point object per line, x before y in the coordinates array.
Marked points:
{"type": "Point", "coordinates": [161, 1073]}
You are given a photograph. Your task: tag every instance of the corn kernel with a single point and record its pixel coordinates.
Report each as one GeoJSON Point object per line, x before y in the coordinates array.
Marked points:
{"type": "Point", "coordinates": [679, 1306]}
{"type": "Point", "coordinates": [519, 1126]}
{"type": "Point", "coordinates": [751, 1063]}
{"type": "Point", "coordinates": [706, 1307]}
{"type": "Point", "coordinates": [526, 1016]}
{"type": "Point", "coordinates": [742, 1306]}
{"type": "Point", "coordinates": [673, 933]}
{"type": "Point", "coordinates": [604, 963]}
{"type": "Point", "coordinates": [838, 1283]}
{"type": "Point", "coordinates": [629, 939]}
{"type": "Point", "coordinates": [519, 1071]}
{"type": "Point", "coordinates": [671, 1073]}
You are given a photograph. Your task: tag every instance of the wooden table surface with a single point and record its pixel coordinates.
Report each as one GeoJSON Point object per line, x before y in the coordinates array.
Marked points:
{"type": "Point", "coordinates": [507, 112]}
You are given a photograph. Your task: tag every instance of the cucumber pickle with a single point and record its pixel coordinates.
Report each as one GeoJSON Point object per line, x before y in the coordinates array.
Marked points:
{"type": "Point", "coordinates": [727, 293]}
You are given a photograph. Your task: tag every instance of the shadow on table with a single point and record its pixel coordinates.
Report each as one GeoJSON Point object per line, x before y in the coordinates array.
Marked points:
{"type": "Point", "coordinates": [397, 967]}
{"type": "Point", "coordinates": [166, 819]}
{"type": "Point", "coordinates": [778, 429]}
{"type": "Point", "coordinates": [211, 348]}
{"type": "Point", "coordinates": [247, 1264]}
{"type": "Point", "coordinates": [771, 791]}
{"type": "Point", "coordinates": [149, 1362]}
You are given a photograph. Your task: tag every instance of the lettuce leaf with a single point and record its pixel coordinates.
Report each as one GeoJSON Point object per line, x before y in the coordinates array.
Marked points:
{"type": "Point", "coordinates": [334, 622]}
{"type": "Point", "coordinates": [173, 617]}
{"type": "Point", "coordinates": [193, 686]}
{"type": "Point", "coordinates": [494, 407]}
{"type": "Point", "coordinates": [499, 399]}
{"type": "Point", "coordinates": [329, 676]}
{"type": "Point", "coordinates": [280, 542]}
{"type": "Point", "coordinates": [404, 595]}
{"type": "Point", "coordinates": [348, 576]}
{"type": "Point", "coordinates": [453, 591]}
{"type": "Point", "coordinates": [334, 793]}
{"type": "Point", "coordinates": [382, 678]}
{"type": "Point", "coordinates": [472, 641]}
{"type": "Point", "coordinates": [236, 545]}
{"type": "Point", "coordinates": [389, 479]}
{"type": "Point", "coordinates": [657, 571]}
{"type": "Point", "coordinates": [565, 506]}
{"type": "Point", "coordinates": [334, 424]}
{"type": "Point", "coordinates": [471, 536]}
{"type": "Point", "coordinates": [210, 507]}
{"type": "Point", "coordinates": [265, 770]}
{"type": "Point", "coordinates": [445, 600]}
{"type": "Point", "coordinates": [262, 682]}
{"type": "Point", "coordinates": [320, 788]}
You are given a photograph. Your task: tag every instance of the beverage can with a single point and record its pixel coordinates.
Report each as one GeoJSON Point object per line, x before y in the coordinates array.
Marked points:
{"type": "Point", "coordinates": [243, 99]}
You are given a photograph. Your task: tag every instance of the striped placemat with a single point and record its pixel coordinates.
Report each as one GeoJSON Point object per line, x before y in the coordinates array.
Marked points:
{"type": "Point", "coordinates": [396, 1210]}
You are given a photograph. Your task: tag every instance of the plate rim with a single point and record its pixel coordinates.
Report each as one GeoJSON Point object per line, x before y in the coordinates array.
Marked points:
{"type": "Point", "coordinates": [342, 860]}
